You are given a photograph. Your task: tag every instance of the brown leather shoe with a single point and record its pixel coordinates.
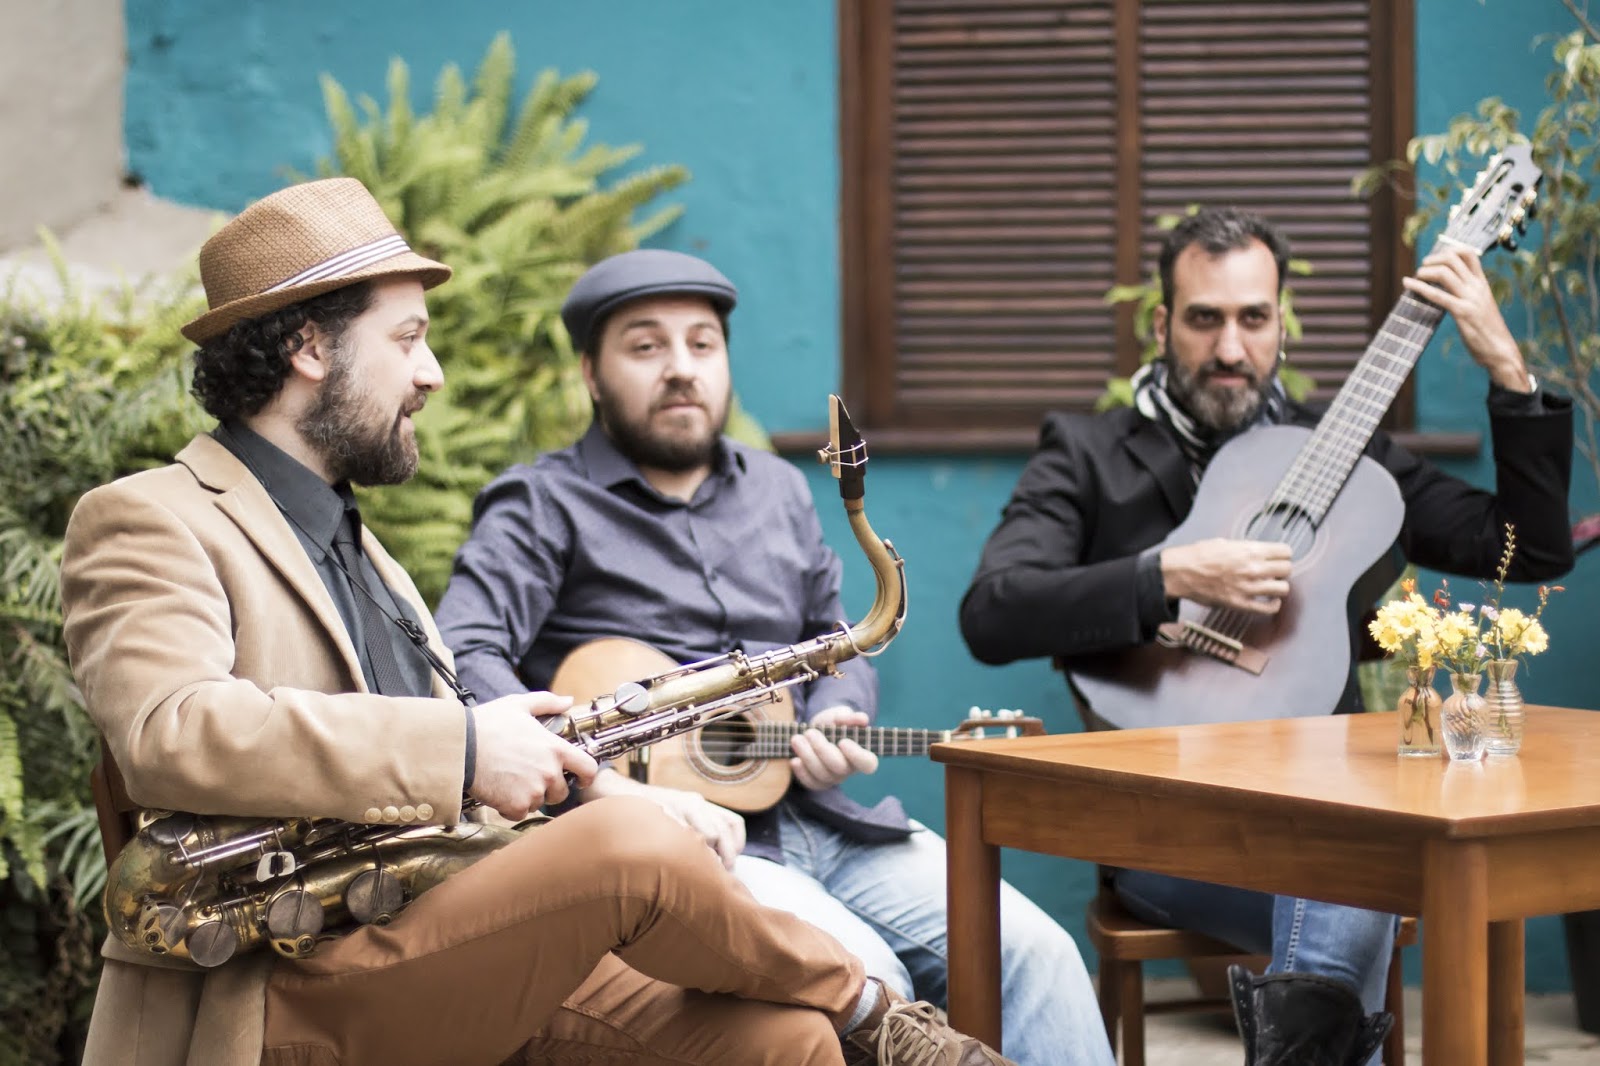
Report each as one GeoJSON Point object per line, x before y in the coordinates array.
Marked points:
{"type": "Point", "coordinates": [913, 1034]}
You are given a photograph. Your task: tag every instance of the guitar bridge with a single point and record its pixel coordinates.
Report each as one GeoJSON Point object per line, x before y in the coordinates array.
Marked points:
{"type": "Point", "coordinates": [1192, 636]}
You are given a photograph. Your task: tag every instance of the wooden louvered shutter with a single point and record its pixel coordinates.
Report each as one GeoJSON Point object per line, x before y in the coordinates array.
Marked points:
{"type": "Point", "coordinates": [1005, 162]}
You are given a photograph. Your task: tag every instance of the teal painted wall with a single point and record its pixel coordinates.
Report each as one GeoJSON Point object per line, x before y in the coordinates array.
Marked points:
{"type": "Point", "coordinates": [222, 96]}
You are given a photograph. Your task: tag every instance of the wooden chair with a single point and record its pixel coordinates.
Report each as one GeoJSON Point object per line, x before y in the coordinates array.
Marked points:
{"type": "Point", "coordinates": [112, 806]}
{"type": "Point", "coordinates": [1125, 943]}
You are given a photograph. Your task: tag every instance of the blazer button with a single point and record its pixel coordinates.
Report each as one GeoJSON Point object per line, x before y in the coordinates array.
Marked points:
{"type": "Point", "coordinates": [391, 814]}
{"type": "Point", "coordinates": [425, 812]}
{"type": "Point", "coordinates": [408, 813]}
{"type": "Point", "coordinates": [372, 815]}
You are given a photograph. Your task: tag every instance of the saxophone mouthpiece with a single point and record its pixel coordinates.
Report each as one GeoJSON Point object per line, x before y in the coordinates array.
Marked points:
{"type": "Point", "coordinates": [631, 698]}
{"type": "Point", "coordinates": [845, 453]}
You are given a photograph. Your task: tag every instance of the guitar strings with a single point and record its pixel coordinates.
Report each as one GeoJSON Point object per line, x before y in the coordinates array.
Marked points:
{"type": "Point", "coordinates": [1308, 489]}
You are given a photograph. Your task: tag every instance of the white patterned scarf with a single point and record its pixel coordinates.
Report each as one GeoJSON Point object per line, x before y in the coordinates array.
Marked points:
{"type": "Point", "coordinates": [1197, 442]}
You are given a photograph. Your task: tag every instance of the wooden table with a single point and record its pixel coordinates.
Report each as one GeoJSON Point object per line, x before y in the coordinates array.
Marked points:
{"type": "Point", "coordinates": [1315, 807]}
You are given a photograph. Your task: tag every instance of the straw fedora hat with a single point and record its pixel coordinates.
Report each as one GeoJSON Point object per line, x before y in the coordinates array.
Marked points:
{"type": "Point", "coordinates": [298, 243]}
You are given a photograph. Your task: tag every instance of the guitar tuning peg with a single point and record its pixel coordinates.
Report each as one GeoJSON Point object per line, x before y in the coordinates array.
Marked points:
{"type": "Point", "coordinates": [1454, 209]}
{"type": "Point", "coordinates": [1510, 244]}
{"type": "Point", "coordinates": [976, 712]}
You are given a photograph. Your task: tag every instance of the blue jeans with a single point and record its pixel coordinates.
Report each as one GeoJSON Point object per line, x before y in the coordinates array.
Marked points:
{"type": "Point", "coordinates": [1301, 935]}
{"type": "Point", "coordinates": [886, 903]}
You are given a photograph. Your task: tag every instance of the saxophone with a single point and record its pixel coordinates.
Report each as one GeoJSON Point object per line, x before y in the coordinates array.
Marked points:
{"type": "Point", "coordinates": [206, 888]}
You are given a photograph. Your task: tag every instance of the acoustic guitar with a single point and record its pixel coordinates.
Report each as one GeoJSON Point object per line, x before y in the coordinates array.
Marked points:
{"type": "Point", "coordinates": [742, 762]}
{"type": "Point", "coordinates": [1338, 510]}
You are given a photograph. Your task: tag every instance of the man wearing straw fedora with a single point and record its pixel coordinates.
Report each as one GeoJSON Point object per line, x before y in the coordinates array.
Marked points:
{"type": "Point", "coordinates": [246, 648]}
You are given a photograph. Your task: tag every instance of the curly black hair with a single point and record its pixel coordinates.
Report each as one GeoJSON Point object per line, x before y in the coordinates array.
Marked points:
{"type": "Point", "coordinates": [238, 373]}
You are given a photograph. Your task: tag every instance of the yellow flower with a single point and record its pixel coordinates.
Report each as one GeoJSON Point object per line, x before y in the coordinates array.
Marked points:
{"type": "Point", "coordinates": [1533, 638]}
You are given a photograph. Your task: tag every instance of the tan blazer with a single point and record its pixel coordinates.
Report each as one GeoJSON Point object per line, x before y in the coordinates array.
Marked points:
{"type": "Point", "coordinates": [222, 677]}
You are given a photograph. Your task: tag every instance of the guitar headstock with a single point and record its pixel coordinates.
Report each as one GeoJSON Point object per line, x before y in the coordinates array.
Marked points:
{"type": "Point", "coordinates": [984, 724]}
{"type": "Point", "coordinates": [1495, 211]}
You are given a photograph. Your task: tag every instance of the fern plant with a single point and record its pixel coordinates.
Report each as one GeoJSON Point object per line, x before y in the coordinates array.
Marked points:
{"type": "Point", "coordinates": [87, 393]}
{"type": "Point", "coordinates": [519, 207]}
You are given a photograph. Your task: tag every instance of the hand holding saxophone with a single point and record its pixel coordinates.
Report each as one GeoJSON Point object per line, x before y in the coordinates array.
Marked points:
{"type": "Point", "coordinates": [521, 765]}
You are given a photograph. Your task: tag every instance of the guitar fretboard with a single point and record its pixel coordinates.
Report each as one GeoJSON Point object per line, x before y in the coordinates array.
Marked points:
{"type": "Point", "coordinates": [771, 739]}
{"type": "Point", "coordinates": [1323, 465]}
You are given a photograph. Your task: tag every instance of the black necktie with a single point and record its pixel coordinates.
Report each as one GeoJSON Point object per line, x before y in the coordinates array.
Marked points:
{"type": "Point", "coordinates": [375, 625]}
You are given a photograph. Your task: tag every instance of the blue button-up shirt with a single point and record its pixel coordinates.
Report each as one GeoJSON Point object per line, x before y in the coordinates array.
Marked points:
{"type": "Point", "coordinates": [580, 546]}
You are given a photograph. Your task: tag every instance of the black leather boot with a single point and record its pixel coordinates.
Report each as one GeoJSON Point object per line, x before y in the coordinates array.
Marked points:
{"type": "Point", "coordinates": [1301, 1019]}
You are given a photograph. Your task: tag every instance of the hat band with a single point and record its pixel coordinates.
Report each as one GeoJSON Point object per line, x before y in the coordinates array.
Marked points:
{"type": "Point", "coordinates": [348, 261]}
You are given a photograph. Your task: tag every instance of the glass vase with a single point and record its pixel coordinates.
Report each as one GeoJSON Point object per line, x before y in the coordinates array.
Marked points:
{"type": "Point", "coordinates": [1503, 708]}
{"type": "Point", "coordinates": [1461, 719]}
{"type": "Point", "coordinates": [1419, 713]}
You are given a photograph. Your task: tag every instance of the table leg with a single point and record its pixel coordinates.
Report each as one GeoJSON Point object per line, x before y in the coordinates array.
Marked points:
{"type": "Point", "coordinates": [973, 883]}
{"type": "Point", "coordinates": [1455, 954]}
{"type": "Point", "coordinates": [1506, 961]}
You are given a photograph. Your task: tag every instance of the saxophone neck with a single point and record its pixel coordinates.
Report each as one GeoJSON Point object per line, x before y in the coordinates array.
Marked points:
{"type": "Point", "coordinates": [846, 456]}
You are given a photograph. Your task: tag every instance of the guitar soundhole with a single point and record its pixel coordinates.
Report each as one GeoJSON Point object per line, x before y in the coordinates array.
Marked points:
{"type": "Point", "coordinates": [727, 743]}
{"type": "Point", "coordinates": [1286, 524]}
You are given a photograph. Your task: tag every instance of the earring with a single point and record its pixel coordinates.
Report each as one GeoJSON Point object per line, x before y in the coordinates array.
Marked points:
{"type": "Point", "coordinates": [1283, 357]}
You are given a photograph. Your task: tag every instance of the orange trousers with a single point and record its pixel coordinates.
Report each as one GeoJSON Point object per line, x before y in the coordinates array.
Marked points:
{"type": "Point", "coordinates": [610, 935]}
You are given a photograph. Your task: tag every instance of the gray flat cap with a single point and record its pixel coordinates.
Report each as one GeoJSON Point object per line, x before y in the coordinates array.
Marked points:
{"type": "Point", "coordinates": [612, 282]}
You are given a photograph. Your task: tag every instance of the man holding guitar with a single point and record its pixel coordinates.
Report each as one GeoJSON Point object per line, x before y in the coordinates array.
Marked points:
{"type": "Point", "coordinates": [656, 527]}
{"type": "Point", "coordinates": [1085, 566]}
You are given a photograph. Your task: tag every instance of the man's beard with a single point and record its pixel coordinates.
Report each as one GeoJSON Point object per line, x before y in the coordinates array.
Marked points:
{"type": "Point", "coordinates": [654, 450]}
{"type": "Point", "coordinates": [1219, 410]}
{"type": "Point", "coordinates": [353, 440]}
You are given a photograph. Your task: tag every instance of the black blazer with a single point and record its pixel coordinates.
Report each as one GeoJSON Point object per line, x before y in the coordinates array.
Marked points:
{"type": "Point", "coordinates": [1058, 577]}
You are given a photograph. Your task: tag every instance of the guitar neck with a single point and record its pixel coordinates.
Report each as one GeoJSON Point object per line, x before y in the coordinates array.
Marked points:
{"type": "Point", "coordinates": [772, 739]}
{"type": "Point", "coordinates": [1323, 465]}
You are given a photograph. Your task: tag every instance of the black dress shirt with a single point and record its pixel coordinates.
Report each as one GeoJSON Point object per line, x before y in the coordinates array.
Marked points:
{"type": "Point", "coordinates": [314, 509]}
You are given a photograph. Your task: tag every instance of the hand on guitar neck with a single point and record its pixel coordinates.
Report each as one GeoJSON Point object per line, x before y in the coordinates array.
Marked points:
{"type": "Point", "coordinates": [821, 763]}
{"type": "Point", "coordinates": [1249, 575]}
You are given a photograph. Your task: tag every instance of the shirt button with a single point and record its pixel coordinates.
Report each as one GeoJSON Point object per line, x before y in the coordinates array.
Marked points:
{"type": "Point", "coordinates": [372, 815]}
{"type": "Point", "coordinates": [425, 812]}
{"type": "Point", "coordinates": [408, 813]}
{"type": "Point", "coordinates": [391, 814]}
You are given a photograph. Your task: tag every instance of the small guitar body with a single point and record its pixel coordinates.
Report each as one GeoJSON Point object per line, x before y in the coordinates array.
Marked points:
{"type": "Point", "coordinates": [742, 762]}
{"type": "Point", "coordinates": [1305, 647]}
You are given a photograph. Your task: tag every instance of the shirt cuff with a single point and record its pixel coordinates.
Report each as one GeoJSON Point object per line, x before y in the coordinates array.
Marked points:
{"type": "Point", "coordinates": [471, 770]}
{"type": "Point", "coordinates": [1150, 592]}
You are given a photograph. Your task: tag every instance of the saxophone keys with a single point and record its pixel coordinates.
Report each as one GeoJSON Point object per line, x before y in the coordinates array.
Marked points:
{"type": "Point", "coordinates": [212, 942]}
{"type": "Point", "coordinates": [374, 896]}
{"type": "Point", "coordinates": [171, 829]}
{"type": "Point", "coordinates": [294, 913]}
{"type": "Point", "coordinates": [161, 927]}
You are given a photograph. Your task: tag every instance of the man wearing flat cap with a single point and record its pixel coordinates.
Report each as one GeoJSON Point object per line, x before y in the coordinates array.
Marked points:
{"type": "Point", "coordinates": [656, 527]}
{"type": "Point", "coordinates": [247, 648]}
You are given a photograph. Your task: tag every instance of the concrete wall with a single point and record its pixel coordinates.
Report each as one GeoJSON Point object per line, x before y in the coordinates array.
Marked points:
{"type": "Point", "coordinates": [222, 95]}
{"type": "Point", "coordinates": [61, 80]}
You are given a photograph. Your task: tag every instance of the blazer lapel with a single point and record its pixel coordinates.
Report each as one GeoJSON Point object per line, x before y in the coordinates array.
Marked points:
{"type": "Point", "coordinates": [1156, 452]}
{"type": "Point", "coordinates": [243, 499]}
